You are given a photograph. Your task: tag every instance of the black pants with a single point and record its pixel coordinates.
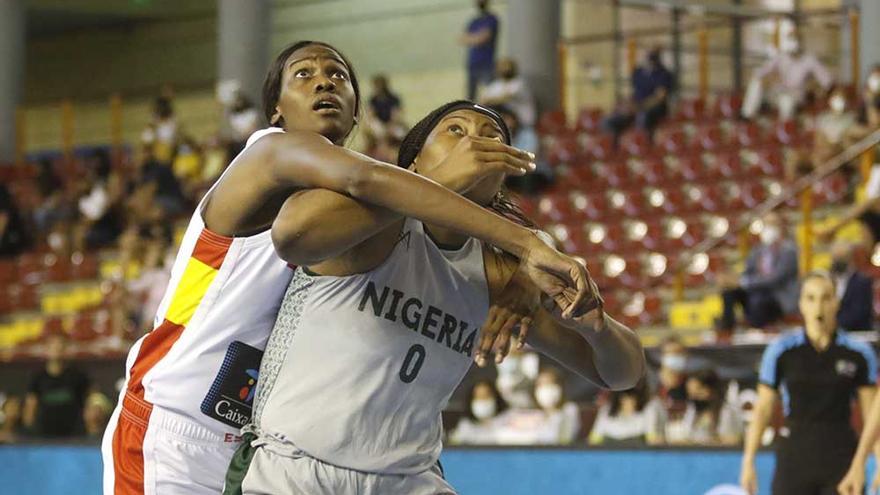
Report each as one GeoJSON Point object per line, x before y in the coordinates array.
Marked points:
{"type": "Point", "coordinates": [760, 306]}
{"type": "Point", "coordinates": [813, 463]}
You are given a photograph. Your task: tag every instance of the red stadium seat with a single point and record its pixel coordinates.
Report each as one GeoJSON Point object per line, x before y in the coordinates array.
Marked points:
{"type": "Point", "coordinates": [552, 122]}
{"type": "Point", "coordinates": [673, 141]}
{"type": "Point", "coordinates": [600, 147]}
{"type": "Point", "coordinates": [748, 134]}
{"type": "Point", "coordinates": [563, 149]}
{"type": "Point", "coordinates": [691, 109]}
{"type": "Point", "coordinates": [589, 120]}
{"type": "Point", "coordinates": [728, 106]}
{"type": "Point", "coordinates": [635, 143]}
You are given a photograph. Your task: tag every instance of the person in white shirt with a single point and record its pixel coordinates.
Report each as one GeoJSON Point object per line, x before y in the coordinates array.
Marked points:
{"type": "Point", "coordinates": [480, 424]}
{"type": "Point", "coordinates": [556, 421]}
{"type": "Point", "coordinates": [792, 68]}
{"type": "Point", "coordinates": [629, 416]}
{"type": "Point", "coordinates": [511, 90]}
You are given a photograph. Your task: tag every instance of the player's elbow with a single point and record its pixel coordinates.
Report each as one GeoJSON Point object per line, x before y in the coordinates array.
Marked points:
{"type": "Point", "coordinates": [629, 375]}
{"type": "Point", "coordinates": [290, 236]}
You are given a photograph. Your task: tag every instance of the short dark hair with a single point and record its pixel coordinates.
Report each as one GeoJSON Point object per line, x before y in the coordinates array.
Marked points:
{"type": "Point", "coordinates": [272, 84]}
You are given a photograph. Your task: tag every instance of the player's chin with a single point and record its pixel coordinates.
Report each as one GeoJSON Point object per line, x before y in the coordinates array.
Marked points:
{"type": "Point", "coordinates": [334, 127]}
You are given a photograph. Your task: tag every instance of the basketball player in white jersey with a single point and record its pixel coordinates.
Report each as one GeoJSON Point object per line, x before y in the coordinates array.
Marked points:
{"type": "Point", "coordinates": [369, 345]}
{"type": "Point", "coordinates": [190, 381]}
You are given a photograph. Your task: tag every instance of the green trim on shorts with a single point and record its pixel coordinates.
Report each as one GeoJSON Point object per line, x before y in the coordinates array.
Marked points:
{"type": "Point", "coordinates": [238, 466]}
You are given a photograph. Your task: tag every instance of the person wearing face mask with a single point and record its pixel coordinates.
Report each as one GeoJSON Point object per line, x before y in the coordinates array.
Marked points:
{"type": "Point", "coordinates": [834, 128]}
{"type": "Point", "coordinates": [854, 290]}
{"type": "Point", "coordinates": [790, 67]}
{"type": "Point", "coordinates": [672, 375]}
{"type": "Point", "coordinates": [630, 417]}
{"type": "Point", "coordinates": [480, 424]}
{"type": "Point", "coordinates": [554, 421]}
{"type": "Point", "coordinates": [516, 378]}
{"type": "Point", "coordinates": [768, 288]}
{"type": "Point", "coordinates": [817, 370]}
{"type": "Point", "coordinates": [708, 418]}
{"type": "Point", "coordinates": [652, 84]}
{"type": "Point", "coordinates": [511, 90]}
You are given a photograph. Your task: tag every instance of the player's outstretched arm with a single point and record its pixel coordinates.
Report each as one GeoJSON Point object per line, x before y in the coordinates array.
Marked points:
{"type": "Point", "coordinates": [317, 224]}
{"type": "Point", "coordinates": [593, 345]}
{"type": "Point", "coordinates": [307, 161]}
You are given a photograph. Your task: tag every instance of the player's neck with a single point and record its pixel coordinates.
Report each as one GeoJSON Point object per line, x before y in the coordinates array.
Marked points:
{"type": "Point", "coordinates": [54, 367]}
{"type": "Point", "coordinates": [445, 238]}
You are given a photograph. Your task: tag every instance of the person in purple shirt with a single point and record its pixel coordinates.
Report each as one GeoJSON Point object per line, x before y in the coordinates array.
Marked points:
{"type": "Point", "coordinates": [480, 38]}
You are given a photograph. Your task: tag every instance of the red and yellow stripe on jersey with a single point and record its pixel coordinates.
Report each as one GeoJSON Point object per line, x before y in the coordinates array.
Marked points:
{"type": "Point", "coordinates": [202, 267]}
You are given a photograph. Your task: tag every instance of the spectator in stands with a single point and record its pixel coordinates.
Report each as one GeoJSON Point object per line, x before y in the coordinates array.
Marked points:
{"type": "Point", "coordinates": [163, 132]}
{"type": "Point", "coordinates": [385, 126]}
{"type": "Point", "coordinates": [834, 128]}
{"type": "Point", "coordinates": [556, 421]}
{"type": "Point", "coordinates": [672, 374]}
{"type": "Point", "coordinates": [101, 208]}
{"type": "Point", "coordinates": [526, 140]}
{"type": "Point", "coordinates": [516, 377]}
{"type": "Point", "coordinates": [96, 414]}
{"type": "Point", "coordinates": [13, 233]}
{"type": "Point", "coordinates": [652, 85]}
{"type": "Point", "coordinates": [11, 428]}
{"type": "Point", "coordinates": [480, 424]}
{"type": "Point", "coordinates": [56, 397]}
{"type": "Point", "coordinates": [854, 290]}
{"type": "Point", "coordinates": [56, 205]}
{"type": "Point", "coordinates": [790, 68]}
{"type": "Point", "coordinates": [480, 37]}
{"type": "Point", "coordinates": [866, 211]}
{"type": "Point", "coordinates": [511, 90]}
{"type": "Point", "coordinates": [149, 287]}
{"type": "Point", "coordinates": [709, 419]}
{"type": "Point", "coordinates": [630, 417]}
{"type": "Point", "coordinates": [157, 187]}
{"type": "Point", "coordinates": [242, 120]}
{"type": "Point", "coordinates": [768, 288]}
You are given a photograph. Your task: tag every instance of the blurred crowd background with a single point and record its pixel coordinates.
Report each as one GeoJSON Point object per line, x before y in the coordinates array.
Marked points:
{"type": "Point", "coordinates": [662, 180]}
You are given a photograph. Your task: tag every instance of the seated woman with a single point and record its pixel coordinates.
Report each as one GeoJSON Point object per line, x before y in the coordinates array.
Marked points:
{"type": "Point", "coordinates": [480, 424]}
{"type": "Point", "coordinates": [630, 417]}
{"type": "Point", "coordinates": [555, 421]}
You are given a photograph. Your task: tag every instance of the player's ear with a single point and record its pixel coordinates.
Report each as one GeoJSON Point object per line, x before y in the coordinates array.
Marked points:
{"type": "Point", "coordinates": [276, 117]}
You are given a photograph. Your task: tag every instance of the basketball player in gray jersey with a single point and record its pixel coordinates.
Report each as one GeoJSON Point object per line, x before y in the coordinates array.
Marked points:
{"type": "Point", "coordinates": [369, 345]}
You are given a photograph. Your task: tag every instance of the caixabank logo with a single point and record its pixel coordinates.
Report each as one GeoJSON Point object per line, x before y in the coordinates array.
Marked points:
{"type": "Point", "coordinates": [237, 408]}
{"type": "Point", "coordinates": [231, 397]}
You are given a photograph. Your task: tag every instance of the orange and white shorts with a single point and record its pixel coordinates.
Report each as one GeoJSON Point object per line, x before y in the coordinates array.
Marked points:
{"type": "Point", "coordinates": [148, 450]}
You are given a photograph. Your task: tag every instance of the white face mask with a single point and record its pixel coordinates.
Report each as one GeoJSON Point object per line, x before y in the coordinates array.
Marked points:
{"type": "Point", "coordinates": [509, 365]}
{"type": "Point", "coordinates": [874, 83]}
{"type": "Point", "coordinates": [770, 235]}
{"type": "Point", "coordinates": [483, 408]}
{"type": "Point", "coordinates": [548, 396]}
{"type": "Point", "coordinates": [674, 362]}
{"type": "Point", "coordinates": [838, 104]}
{"type": "Point", "coordinates": [507, 382]}
{"type": "Point", "coordinates": [530, 365]}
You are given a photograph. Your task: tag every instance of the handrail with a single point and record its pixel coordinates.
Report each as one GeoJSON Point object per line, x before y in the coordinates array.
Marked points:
{"type": "Point", "coordinates": [790, 192]}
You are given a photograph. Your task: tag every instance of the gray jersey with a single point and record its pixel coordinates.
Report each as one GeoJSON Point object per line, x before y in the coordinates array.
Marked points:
{"type": "Point", "coordinates": [358, 368]}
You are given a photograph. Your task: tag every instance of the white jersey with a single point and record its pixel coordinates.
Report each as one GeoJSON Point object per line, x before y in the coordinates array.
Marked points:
{"type": "Point", "coordinates": [359, 368]}
{"type": "Point", "coordinates": [201, 357]}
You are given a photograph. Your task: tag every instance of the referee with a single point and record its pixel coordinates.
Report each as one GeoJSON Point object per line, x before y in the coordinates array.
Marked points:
{"type": "Point", "coordinates": [817, 370]}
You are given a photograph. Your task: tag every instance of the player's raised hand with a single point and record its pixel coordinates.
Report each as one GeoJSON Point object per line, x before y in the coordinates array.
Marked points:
{"type": "Point", "coordinates": [562, 278]}
{"type": "Point", "coordinates": [476, 158]}
{"type": "Point", "coordinates": [512, 311]}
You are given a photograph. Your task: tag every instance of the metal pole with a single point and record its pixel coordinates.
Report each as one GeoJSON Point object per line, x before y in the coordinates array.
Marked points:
{"type": "Point", "coordinates": [618, 38]}
{"type": "Point", "coordinates": [676, 41]}
{"type": "Point", "coordinates": [736, 51]}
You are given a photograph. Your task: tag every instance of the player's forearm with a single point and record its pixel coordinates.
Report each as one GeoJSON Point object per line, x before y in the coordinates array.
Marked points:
{"type": "Point", "coordinates": [617, 353]}
{"type": "Point", "coordinates": [420, 198]}
{"type": "Point", "coordinates": [317, 224]}
{"type": "Point", "coordinates": [307, 161]}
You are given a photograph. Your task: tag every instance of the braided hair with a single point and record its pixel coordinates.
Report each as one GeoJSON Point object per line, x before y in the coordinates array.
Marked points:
{"type": "Point", "coordinates": [415, 139]}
